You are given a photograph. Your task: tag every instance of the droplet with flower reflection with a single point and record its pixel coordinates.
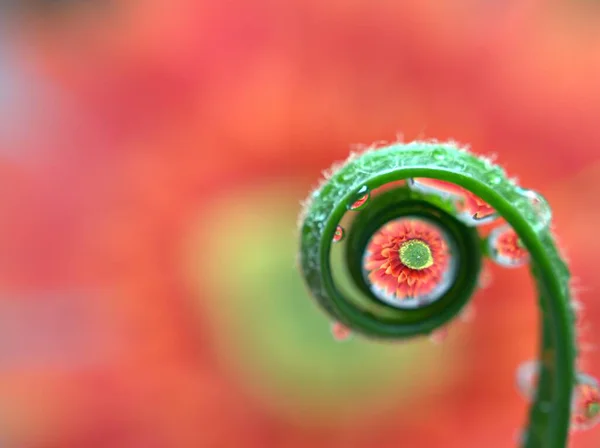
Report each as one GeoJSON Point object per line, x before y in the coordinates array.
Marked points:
{"type": "Point", "coordinates": [338, 234]}
{"type": "Point", "coordinates": [585, 406]}
{"type": "Point", "coordinates": [540, 205]}
{"type": "Point", "coordinates": [472, 210]}
{"type": "Point", "coordinates": [482, 211]}
{"type": "Point", "coordinates": [505, 247]}
{"type": "Point", "coordinates": [360, 199]}
{"type": "Point", "coordinates": [585, 412]}
{"type": "Point", "coordinates": [409, 262]}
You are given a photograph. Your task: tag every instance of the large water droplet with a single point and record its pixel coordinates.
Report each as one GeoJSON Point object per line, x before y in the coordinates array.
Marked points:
{"type": "Point", "coordinates": [540, 206]}
{"type": "Point", "coordinates": [474, 211]}
{"type": "Point", "coordinates": [506, 249]}
{"type": "Point", "coordinates": [410, 262]}
{"type": "Point", "coordinates": [360, 199]}
{"type": "Point", "coordinates": [471, 209]}
{"type": "Point", "coordinates": [340, 332]}
{"type": "Point", "coordinates": [338, 235]}
{"type": "Point", "coordinates": [585, 410]}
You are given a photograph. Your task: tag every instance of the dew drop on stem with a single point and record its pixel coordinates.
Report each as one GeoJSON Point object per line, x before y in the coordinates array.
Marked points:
{"type": "Point", "coordinates": [540, 206]}
{"type": "Point", "coordinates": [359, 199]}
{"type": "Point", "coordinates": [585, 410]}
{"type": "Point", "coordinates": [338, 235]}
{"type": "Point", "coordinates": [506, 248]}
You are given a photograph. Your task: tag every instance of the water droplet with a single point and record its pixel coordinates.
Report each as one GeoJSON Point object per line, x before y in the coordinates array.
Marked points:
{"type": "Point", "coordinates": [360, 199]}
{"type": "Point", "coordinates": [506, 248]}
{"type": "Point", "coordinates": [409, 262]}
{"type": "Point", "coordinates": [585, 410]}
{"type": "Point", "coordinates": [527, 376]}
{"type": "Point", "coordinates": [471, 209]}
{"type": "Point", "coordinates": [338, 234]}
{"type": "Point", "coordinates": [340, 332]}
{"type": "Point", "coordinates": [540, 206]}
{"type": "Point", "coordinates": [438, 336]}
{"type": "Point", "coordinates": [585, 407]}
{"type": "Point", "coordinates": [474, 211]}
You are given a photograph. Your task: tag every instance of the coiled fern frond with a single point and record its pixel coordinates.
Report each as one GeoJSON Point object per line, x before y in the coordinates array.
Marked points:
{"type": "Point", "coordinates": [392, 244]}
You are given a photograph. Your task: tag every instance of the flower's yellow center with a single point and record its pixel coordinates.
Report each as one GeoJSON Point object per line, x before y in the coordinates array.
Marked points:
{"type": "Point", "coordinates": [416, 254]}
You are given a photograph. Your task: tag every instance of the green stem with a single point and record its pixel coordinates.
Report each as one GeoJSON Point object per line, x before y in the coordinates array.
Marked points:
{"type": "Point", "coordinates": [550, 413]}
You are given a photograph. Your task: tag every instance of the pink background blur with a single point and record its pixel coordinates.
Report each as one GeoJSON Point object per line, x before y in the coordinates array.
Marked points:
{"type": "Point", "coordinates": [152, 157]}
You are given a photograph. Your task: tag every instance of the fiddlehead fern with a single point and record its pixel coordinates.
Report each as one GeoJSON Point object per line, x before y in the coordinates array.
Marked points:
{"type": "Point", "coordinates": [391, 249]}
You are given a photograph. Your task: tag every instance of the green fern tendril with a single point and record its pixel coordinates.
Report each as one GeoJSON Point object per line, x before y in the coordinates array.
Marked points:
{"type": "Point", "coordinates": [373, 193]}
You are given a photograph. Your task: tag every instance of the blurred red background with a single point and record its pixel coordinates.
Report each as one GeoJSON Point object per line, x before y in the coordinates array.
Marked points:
{"type": "Point", "coordinates": [153, 156]}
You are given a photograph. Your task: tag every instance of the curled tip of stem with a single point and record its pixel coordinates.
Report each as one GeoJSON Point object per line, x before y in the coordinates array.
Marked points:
{"type": "Point", "coordinates": [390, 248]}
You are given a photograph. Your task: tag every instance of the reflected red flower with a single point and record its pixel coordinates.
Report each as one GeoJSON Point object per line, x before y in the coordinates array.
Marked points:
{"type": "Point", "coordinates": [506, 247]}
{"type": "Point", "coordinates": [467, 203]}
{"type": "Point", "coordinates": [408, 258]}
{"type": "Point", "coordinates": [586, 411]}
{"type": "Point", "coordinates": [477, 207]}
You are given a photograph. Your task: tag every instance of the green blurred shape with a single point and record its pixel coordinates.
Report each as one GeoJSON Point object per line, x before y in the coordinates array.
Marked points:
{"type": "Point", "coordinates": [274, 338]}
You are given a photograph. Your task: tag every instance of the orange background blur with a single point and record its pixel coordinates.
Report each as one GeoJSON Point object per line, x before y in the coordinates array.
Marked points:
{"type": "Point", "coordinates": [152, 158]}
